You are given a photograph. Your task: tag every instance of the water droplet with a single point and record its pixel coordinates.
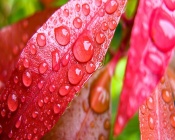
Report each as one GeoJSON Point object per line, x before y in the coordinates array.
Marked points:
{"type": "Point", "coordinates": [171, 106]}
{"type": "Point", "coordinates": [41, 39]}
{"type": "Point", "coordinates": [166, 95]}
{"type": "Point", "coordinates": [111, 6]}
{"type": "Point", "coordinates": [64, 90]}
{"type": "Point", "coordinates": [56, 108]}
{"type": "Point", "coordinates": [34, 114]}
{"type": "Point", "coordinates": [77, 7]}
{"type": "Point", "coordinates": [46, 99]}
{"type": "Point", "coordinates": [25, 23]}
{"type": "Point", "coordinates": [172, 120]}
{"type": "Point", "coordinates": [25, 38]}
{"type": "Point", "coordinates": [162, 30]}
{"type": "Point", "coordinates": [90, 67]}
{"type": "Point", "coordinates": [62, 35]}
{"type": "Point", "coordinates": [40, 103]}
{"type": "Point", "coordinates": [75, 74]}
{"type": "Point", "coordinates": [3, 113]}
{"type": "Point", "coordinates": [104, 26]}
{"type": "Point", "coordinates": [10, 134]}
{"type": "Point", "coordinates": [52, 88]}
{"type": "Point", "coordinates": [101, 12]}
{"type": "Point", "coordinates": [12, 102]}
{"type": "Point", "coordinates": [83, 49]}
{"type": "Point", "coordinates": [86, 9]}
{"type": "Point", "coordinates": [65, 59]}
{"type": "Point", "coordinates": [26, 63]}
{"type": "Point", "coordinates": [170, 4]}
{"type": "Point", "coordinates": [98, 2]}
{"type": "Point", "coordinates": [154, 62]}
{"type": "Point", "coordinates": [92, 124]}
{"type": "Point", "coordinates": [151, 122]}
{"type": "Point", "coordinates": [27, 78]}
{"type": "Point", "coordinates": [107, 124]}
{"type": "Point", "coordinates": [77, 22]}
{"type": "Point", "coordinates": [55, 60]}
{"type": "Point", "coordinates": [100, 38]}
{"type": "Point", "coordinates": [29, 136]}
{"type": "Point", "coordinates": [40, 84]}
{"type": "Point", "coordinates": [18, 123]}
{"type": "Point", "coordinates": [43, 67]}
{"type": "Point", "coordinates": [143, 109]}
{"type": "Point", "coordinates": [101, 137]}
{"type": "Point", "coordinates": [66, 12]}
{"type": "Point", "coordinates": [150, 103]}
{"type": "Point", "coordinates": [162, 80]}
{"type": "Point", "coordinates": [112, 24]}
{"type": "Point", "coordinates": [1, 129]}
{"type": "Point", "coordinates": [16, 79]}
{"type": "Point", "coordinates": [33, 49]}
{"type": "Point", "coordinates": [35, 130]}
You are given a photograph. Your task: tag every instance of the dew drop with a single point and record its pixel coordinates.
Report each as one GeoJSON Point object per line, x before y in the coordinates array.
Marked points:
{"type": "Point", "coordinates": [62, 35]}
{"type": "Point", "coordinates": [10, 134]}
{"type": "Point", "coordinates": [77, 22]}
{"type": "Point", "coordinates": [170, 4]}
{"type": "Point", "coordinates": [150, 103]}
{"type": "Point", "coordinates": [75, 74]}
{"type": "Point", "coordinates": [171, 107]}
{"type": "Point", "coordinates": [41, 39]}
{"type": "Point", "coordinates": [86, 9]}
{"type": "Point", "coordinates": [98, 2]}
{"type": "Point", "coordinates": [151, 122]}
{"type": "Point", "coordinates": [29, 136]}
{"type": "Point", "coordinates": [27, 78]}
{"type": "Point", "coordinates": [18, 123]}
{"type": "Point", "coordinates": [3, 113]}
{"type": "Point", "coordinates": [46, 99]}
{"type": "Point", "coordinates": [1, 129]}
{"type": "Point", "coordinates": [143, 109]}
{"type": "Point", "coordinates": [56, 108]}
{"type": "Point", "coordinates": [100, 38]}
{"type": "Point", "coordinates": [111, 6]}
{"type": "Point", "coordinates": [90, 67]}
{"type": "Point", "coordinates": [83, 49]}
{"type": "Point", "coordinates": [64, 90]}
{"type": "Point", "coordinates": [166, 95]}
{"type": "Point", "coordinates": [101, 137]}
{"type": "Point", "coordinates": [12, 102]}
{"type": "Point", "coordinates": [16, 79]}
{"type": "Point", "coordinates": [32, 49]}
{"type": "Point", "coordinates": [26, 63]}
{"type": "Point", "coordinates": [40, 103]}
{"type": "Point", "coordinates": [77, 7]}
{"type": "Point", "coordinates": [35, 130]}
{"type": "Point", "coordinates": [162, 30]}
{"type": "Point", "coordinates": [34, 114]}
{"type": "Point", "coordinates": [52, 88]}
{"type": "Point", "coordinates": [172, 120]}
{"type": "Point", "coordinates": [40, 84]}
{"type": "Point", "coordinates": [107, 124]}
{"type": "Point", "coordinates": [55, 60]}
{"type": "Point", "coordinates": [43, 68]}
{"type": "Point", "coordinates": [65, 59]}
{"type": "Point", "coordinates": [112, 24]}
{"type": "Point", "coordinates": [104, 26]}
{"type": "Point", "coordinates": [66, 12]}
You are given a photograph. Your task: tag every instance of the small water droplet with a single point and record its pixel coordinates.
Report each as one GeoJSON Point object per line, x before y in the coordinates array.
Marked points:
{"type": "Point", "coordinates": [143, 109]}
{"type": "Point", "coordinates": [25, 23]}
{"type": "Point", "coordinates": [66, 12]}
{"type": "Point", "coordinates": [46, 99]}
{"type": "Point", "coordinates": [25, 37]}
{"type": "Point", "coordinates": [170, 4]}
{"type": "Point", "coordinates": [29, 136]}
{"type": "Point", "coordinates": [1, 129]}
{"type": "Point", "coordinates": [64, 90]}
{"type": "Point", "coordinates": [151, 122]}
{"type": "Point", "coordinates": [55, 60]}
{"type": "Point", "coordinates": [16, 79]}
{"type": "Point", "coordinates": [35, 130]}
{"type": "Point", "coordinates": [23, 99]}
{"type": "Point", "coordinates": [162, 30]}
{"type": "Point", "coordinates": [77, 22]}
{"type": "Point", "coordinates": [12, 102]}
{"type": "Point", "coordinates": [85, 106]}
{"type": "Point", "coordinates": [33, 49]}
{"type": "Point", "coordinates": [104, 26]}
{"type": "Point", "coordinates": [18, 123]}
{"type": "Point", "coordinates": [52, 88]}
{"type": "Point", "coordinates": [56, 108]}
{"type": "Point", "coordinates": [101, 13]}
{"type": "Point", "coordinates": [75, 74]}
{"type": "Point", "coordinates": [98, 2]}
{"type": "Point", "coordinates": [26, 63]}
{"type": "Point", "coordinates": [92, 124]}
{"type": "Point", "coordinates": [34, 114]}
{"type": "Point", "coordinates": [111, 6]}
{"type": "Point", "coordinates": [65, 59]}
{"type": "Point", "coordinates": [40, 84]}
{"type": "Point", "coordinates": [107, 124]}
{"type": "Point", "coordinates": [83, 49]}
{"type": "Point", "coordinates": [101, 137]}
{"type": "Point", "coordinates": [86, 9]}
{"type": "Point", "coordinates": [40, 103]}
{"type": "Point", "coordinates": [62, 35]}
{"type": "Point", "coordinates": [43, 67]}
{"type": "Point", "coordinates": [90, 67]}
{"type": "Point", "coordinates": [27, 78]}
{"type": "Point", "coordinates": [41, 39]}
{"type": "Point", "coordinates": [171, 106]}
{"type": "Point", "coordinates": [10, 135]}
{"type": "Point", "coordinates": [77, 7]}
{"type": "Point", "coordinates": [112, 24]}
{"type": "Point", "coordinates": [150, 103]}
{"type": "Point", "coordinates": [3, 113]}
{"type": "Point", "coordinates": [172, 120]}
{"type": "Point", "coordinates": [100, 38]}
{"type": "Point", "coordinates": [166, 95]}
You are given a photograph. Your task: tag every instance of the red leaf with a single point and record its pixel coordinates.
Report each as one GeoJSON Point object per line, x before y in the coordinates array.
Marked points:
{"type": "Point", "coordinates": [38, 90]}
{"type": "Point", "coordinates": [157, 114]}
{"type": "Point", "coordinates": [152, 42]}
{"type": "Point", "coordinates": [88, 116]}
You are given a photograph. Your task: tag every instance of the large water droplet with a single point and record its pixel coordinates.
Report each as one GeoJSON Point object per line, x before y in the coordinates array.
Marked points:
{"type": "Point", "coordinates": [33, 49]}
{"type": "Point", "coordinates": [62, 35]}
{"type": "Point", "coordinates": [43, 67]}
{"type": "Point", "coordinates": [111, 6]}
{"type": "Point", "coordinates": [18, 123]}
{"type": "Point", "coordinates": [162, 30]}
{"type": "Point", "coordinates": [41, 39]}
{"type": "Point", "coordinates": [150, 103]}
{"type": "Point", "coordinates": [64, 90]}
{"type": "Point", "coordinates": [172, 120]}
{"type": "Point", "coordinates": [86, 9]}
{"type": "Point", "coordinates": [170, 4]}
{"type": "Point", "coordinates": [27, 78]}
{"type": "Point", "coordinates": [77, 7]}
{"type": "Point", "coordinates": [151, 122]}
{"type": "Point", "coordinates": [56, 108]}
{"type": "Point", "coordinates": [100, 38]}
{"type": "Point", "coordinates": [83, 49]}
{"type": "Point", "coordinates": [26, 63]}
{"type": "Point", "coordinates": [166, 95]}
{"type": "Point", "coordinates": [77, 22]}
{"type": "Point", "coordinates": [12, 102]}
{"type": "Point", "coordinates": [75, 74]}
{"type": "Point", "coordinates": [65, 59]}
{"type": "Point", "coordinates": [55, 60]}
{"type": "Point", "coordinates": [90, 67]}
